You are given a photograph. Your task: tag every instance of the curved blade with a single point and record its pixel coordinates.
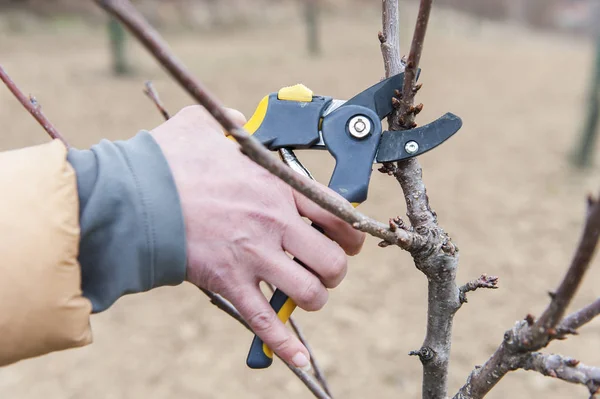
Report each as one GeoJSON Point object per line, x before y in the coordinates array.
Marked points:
{"type": "Point", "coordinates": [392, 146]}
{"type": "Point", "coordinates": [378, 97]}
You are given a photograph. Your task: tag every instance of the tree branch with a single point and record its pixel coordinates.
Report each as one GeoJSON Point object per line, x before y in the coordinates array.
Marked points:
{"type": "Point", "coordinates": [390, 38]}
{"type": "Point", "coordinates": [317, 390]}
{"type": "Point", "coordinates": [438, 258]}
{"type": "Point", "coordinates": [529, 335]}
{"type": "Point", "coordinates": [32, 106]}
{"type": "Point", "coordinates": [577, 319]}
{"type": "Point", "coordinates": [319, 375]}
{"type": "Point", "coordinates": [564, 368]}
{"type": "Point", "coordinates": [544, 328]}
{"type": "Point", "coordinates": [152, 94]}
{"type": "Point", "coordinates": [150, 38]}
{"type": "Point", "coordinates": [484, 281]}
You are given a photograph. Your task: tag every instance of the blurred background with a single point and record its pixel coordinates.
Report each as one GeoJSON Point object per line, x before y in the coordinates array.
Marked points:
{"type": "Point", "coordinates": [509, 188]}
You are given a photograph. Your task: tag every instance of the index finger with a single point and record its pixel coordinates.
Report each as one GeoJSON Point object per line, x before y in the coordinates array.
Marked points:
{"type": "Point", "coordinates": [350, 239]}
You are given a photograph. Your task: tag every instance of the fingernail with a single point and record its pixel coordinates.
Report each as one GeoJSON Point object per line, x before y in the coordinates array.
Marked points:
{"type": "Point", "coordinates": [301, 361]}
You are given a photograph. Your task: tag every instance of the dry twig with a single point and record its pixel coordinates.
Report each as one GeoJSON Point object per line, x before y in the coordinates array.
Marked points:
{"type": "Point", "coordinates": [32, 106]}
{"type": "Point", "coordinates": [152, 94]}
{"type": "Point", "coordinates": [317, 390]}
{"type": "Point", "coordinates": [484, 281]}
{"type": "Point", "coordinates": [577, 319]}
{"type": "Point", "coordinates": [319, 375]}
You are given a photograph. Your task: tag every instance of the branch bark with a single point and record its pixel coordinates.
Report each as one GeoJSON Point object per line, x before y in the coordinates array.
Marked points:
{"type": "Point", "coordinates": [564, 368]}
{"type": "Point", "coordinates": [32, 106]}
{"type": "Point", "coordinates": [438, 258]}
{"type": "Point", "coordinates": [577, 319]}
{"type": "Point", "coordinates": [124, 11]}
{"type": "Point", "coordinates": [529, 335]}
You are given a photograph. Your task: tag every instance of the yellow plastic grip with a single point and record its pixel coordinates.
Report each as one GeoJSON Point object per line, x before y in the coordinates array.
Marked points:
{"type": "Point", "coordinates": [284, 315]}
{"type": "Point", "coordinates": [258, 117]}
{"type": "Point", "coordinates": [297, 92]}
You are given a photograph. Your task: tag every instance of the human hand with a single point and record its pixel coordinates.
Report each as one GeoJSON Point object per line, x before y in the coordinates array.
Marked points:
{"type": "Point", "coordinates": [240, 222]}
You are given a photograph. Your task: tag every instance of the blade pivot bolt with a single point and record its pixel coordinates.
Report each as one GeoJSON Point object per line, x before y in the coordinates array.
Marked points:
{"type": "Point", "coordinates": [411, 147]}
{"type": "Point", "coordinates": [360, 126]}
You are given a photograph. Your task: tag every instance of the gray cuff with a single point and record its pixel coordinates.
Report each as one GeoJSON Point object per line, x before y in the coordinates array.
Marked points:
{"type": "Point", "coordinates": [132, 227]}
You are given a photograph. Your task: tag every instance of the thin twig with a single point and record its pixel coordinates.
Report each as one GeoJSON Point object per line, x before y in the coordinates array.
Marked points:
{"type": "Point", "coordinates": [577, 319]}
{"type": "Point", "coordinates": [484, 281]}
{"type": "Point", "coordinates": [32, 106]}
{"type": "Point", "coordinates": [319, 375]}
{"type": "Point", "coordinates": [438, 258]}
{"type": "Point", "coordinates": [529, 335]}
{"type": "Point", "coordinates": [150, 38]}
{"type": "Point", "coordinates": [152, 94]}
{"type": "Point", "coordinates": [564, 368]}
{"type": "Point", "coordinates": [308, 380]}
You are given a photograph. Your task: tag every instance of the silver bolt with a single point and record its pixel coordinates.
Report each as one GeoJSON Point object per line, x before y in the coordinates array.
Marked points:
{"type": "Point", "coordinates": [360, 126]}
{"type": "Point", "coordinates": [411, 147]}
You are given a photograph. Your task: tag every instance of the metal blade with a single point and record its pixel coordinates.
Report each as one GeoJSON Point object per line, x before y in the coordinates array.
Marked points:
{"type": "Point", "coordinates": [379, 96]}
{"type": "Point", "coordinates": [403, 144]}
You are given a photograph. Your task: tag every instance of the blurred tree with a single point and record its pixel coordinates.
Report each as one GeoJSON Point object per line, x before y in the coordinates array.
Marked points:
{"type": "Point", "coordinates": [584, 153]}
{"type": "Point", "coordinates": [118, 45]}
{"type": "Point", "coordinates": [311, 16]}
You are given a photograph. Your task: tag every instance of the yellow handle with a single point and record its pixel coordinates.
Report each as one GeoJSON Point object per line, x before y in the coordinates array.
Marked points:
{"type": "Point", "coordinates": [297, 92]}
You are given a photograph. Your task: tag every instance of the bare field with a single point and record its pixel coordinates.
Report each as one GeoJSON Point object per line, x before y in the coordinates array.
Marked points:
{"type": "Point", "coordinates": [502, 188]}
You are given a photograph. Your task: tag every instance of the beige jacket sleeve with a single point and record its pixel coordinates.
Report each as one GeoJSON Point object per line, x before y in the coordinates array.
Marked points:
{"type": "Point", "coordinates": [41, 304]}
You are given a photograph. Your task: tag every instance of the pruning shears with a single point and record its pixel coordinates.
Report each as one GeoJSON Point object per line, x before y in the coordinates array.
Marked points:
{"type": "Point", "coordinates": [295, 119]}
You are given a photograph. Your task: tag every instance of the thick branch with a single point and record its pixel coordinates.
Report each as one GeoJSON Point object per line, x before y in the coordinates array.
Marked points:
{"type": "Point", "coordinates": [564, 368]}
{"type": "Point", "coordinates": [32, 106]}
{"type": "Point", "coordinates": [438, 259]}
{"type": "Point", "coordinates": [390, 38]}
{"type": "Point", "coordinates": [149, 37]}
{"type": "Point", "coordinates": [529, 335]}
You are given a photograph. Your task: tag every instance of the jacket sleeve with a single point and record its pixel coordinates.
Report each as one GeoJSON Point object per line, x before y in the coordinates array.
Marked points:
{"type": "Point", "coordinates": [132, 228]}
{"type": "Point", "coordinates": [41, 304]}
{"type": "Point", "coordinates": [80, 229]}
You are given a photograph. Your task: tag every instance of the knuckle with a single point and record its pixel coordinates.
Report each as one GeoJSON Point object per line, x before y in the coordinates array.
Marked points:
{"type": "Point", "coordinates": [335, 268]}
{"type": "Point", "coordinates": [262, 321]}
{"type": "Point", "coordinates": [314, 296]}
{"type": "Point", "coordinates": [281, 344]}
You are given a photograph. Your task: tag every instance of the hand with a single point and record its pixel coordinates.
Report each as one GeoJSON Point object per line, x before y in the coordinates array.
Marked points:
{"type": "Point", "coordinates": [240, 222]}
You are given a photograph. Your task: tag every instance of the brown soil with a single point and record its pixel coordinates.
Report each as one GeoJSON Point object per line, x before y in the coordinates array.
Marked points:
{"type": "Point", "coordinates": [502, 188]}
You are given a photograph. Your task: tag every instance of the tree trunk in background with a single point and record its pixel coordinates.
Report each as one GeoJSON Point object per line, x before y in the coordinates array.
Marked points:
{"type": "Point", "coordinates": [118, 42]}
{"type": "Point", "coordinates": [517, 11]}
{"type": "Point", "coordinates": [583, 156]}
{"type": "Point", "coordinates": [311, 16]}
